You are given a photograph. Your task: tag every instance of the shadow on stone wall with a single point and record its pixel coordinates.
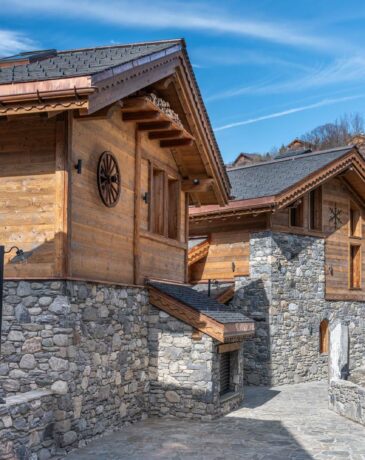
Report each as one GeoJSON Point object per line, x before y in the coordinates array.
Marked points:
{"type": "Point", "coordinates": [251, 298]}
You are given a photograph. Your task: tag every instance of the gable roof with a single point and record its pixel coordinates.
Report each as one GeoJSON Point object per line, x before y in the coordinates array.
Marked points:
{"type": "Point", "coordinates": [275, 184]}
{"type": "Point", "coordinates": [91, 79]}
{"type": "Point", "coordinates": [273, 177]}
{"type": "Point", "coordinates": [80, 62]}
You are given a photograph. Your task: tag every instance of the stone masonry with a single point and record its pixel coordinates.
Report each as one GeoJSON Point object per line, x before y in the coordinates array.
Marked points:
{"type": "Point", "coordinates": [184, 372]}
{"type": "Point", "coordinates": [85, 342]}
{"type": "Point", "coordinates": [81, 359]}
{"type": "Point", "coordinates": [285, 294]}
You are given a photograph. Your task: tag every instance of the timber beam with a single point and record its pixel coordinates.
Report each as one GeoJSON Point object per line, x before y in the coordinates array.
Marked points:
{"type": "Point", "coordinates": [197, 185]}
{"type": "Point", "coordinates": [223, 332]}
{"type": "Point", "coordinates": [160, 122]}
{"type": "Point", "coordinates": [170, 144]}
{"type": "Point", "coordinates": [167, 134]}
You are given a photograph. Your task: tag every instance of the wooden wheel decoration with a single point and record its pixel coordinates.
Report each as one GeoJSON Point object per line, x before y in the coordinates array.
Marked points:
{"type": "Point", "coordinates": [109, 179]}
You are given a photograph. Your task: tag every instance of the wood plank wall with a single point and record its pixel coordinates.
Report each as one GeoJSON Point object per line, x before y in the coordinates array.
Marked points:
{"type": "Point", "coordinates": [161, 257]}
{"type": "Point", "coordinates": [30, 214]}
{"type": "Point", "coordinates": [338, 244]}
{"type": "Point", "coordinates": [229, 242]}
{"type": "Point", "coordinates": [101, 237]}
{"type": "Point", "coordinates": [225, 248]}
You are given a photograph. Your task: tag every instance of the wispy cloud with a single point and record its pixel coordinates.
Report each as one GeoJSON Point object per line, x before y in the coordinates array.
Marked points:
{"type": "Point", "coordinates": [284, 113]}
{"type": "Point", "coordinates": [163, 14]}
{"type": "Point", "coordinates": [12, 42]}
{"type": "Point", "coordinates": [341, 71]}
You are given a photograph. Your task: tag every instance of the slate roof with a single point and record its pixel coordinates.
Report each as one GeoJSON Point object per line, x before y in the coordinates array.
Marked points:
{"type": "Point", "coordinates": [292, 153]}
{"type": "Point", "coordinates": [273, 177]}
{"type": "Point", "coordinates": [201, 302]}
{"type": "Point", "coordinates": [79, 62]}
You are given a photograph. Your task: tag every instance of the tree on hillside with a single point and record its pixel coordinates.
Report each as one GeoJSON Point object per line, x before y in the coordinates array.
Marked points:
{"type": "Point", "coordinates": [335, 134]}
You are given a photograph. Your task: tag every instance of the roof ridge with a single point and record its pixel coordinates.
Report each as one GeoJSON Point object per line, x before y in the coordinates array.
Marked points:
{"type": "Point", "coordinates": [125, 45]}
{"type": "Point", "coordinates": [294, 157]}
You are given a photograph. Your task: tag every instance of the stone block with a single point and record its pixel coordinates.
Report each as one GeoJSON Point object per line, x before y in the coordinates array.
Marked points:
{"type": "Point", "coordinates": [58, 364]}
{"type": "Point", "coordinates": [27, 362]}
{"type": "Point", "coordinates": [32, 345]}
{"type": "Point", "coordinates": [60, 387]}
{"type": "Point", "coordinates": [60, 306]}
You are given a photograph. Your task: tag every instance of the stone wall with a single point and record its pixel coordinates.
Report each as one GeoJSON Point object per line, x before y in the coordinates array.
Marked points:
{"type": "Point", "coordinates": [86, 342]}
{"type": "Point", "coordinates": [27, 426]}
{"type": "Point", "coordinates": [285, 294]}
{"type": "Point", "coordinates": [184, 372]}
{"type": "Point", "coordinates": [104, 357]}
{"type": "Point", "coordinates": [347, 399]}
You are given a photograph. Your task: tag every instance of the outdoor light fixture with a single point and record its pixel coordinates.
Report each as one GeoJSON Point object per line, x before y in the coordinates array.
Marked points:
{"type": "Point", "coordinates": [78, 166]}
{"type": "Point", "coordinates": [21, 256]}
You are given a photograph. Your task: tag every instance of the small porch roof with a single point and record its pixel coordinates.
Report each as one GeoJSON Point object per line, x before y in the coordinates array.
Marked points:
{"type": "Point", "coordinates": [201, 312]}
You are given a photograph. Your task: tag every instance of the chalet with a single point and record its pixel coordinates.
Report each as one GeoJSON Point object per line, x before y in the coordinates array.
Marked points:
{"type": "Point", "coordinates": [288, 252]}
{"type": "Point", "coordinates": [101, 152]}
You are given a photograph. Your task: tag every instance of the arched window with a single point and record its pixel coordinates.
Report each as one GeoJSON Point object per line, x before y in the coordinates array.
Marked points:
{"type": "Point", "coordinates": [323, 336]}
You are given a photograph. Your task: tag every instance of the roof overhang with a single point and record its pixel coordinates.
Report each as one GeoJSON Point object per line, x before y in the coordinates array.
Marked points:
{"type": "Point", "coordinates": [227, 332]}
{"type": "Point", "coordinates": [349, 165]}
{"type": "Point", "coordinates": [90, 94]}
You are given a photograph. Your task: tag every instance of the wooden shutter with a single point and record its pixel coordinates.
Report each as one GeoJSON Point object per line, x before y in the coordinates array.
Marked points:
{"type": "Point", "coordinates": [323, 336]}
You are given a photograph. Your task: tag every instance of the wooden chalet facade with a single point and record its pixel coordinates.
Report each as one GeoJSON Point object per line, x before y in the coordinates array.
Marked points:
{"type": "Point", "coordinates": [138, 103]}
{"type": "Point", "coordinates": [102, 151]}
{"type": "Point", "coordinates": [288, 251]}
{"type": "Point", "coordinates": [327, 203]}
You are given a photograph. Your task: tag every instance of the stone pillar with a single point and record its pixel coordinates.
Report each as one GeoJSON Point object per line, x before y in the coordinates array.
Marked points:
{"type": "Point", "coordinates": [339, 352]}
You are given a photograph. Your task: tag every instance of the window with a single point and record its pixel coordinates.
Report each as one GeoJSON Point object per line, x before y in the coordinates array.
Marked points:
{"type": "Point", "coordinates": [164, 204]}
{"type": "Point", "coordinates": [225, 373]}
{"type": "Point", "coordinates": [296, 214]}
{"type": "Point", "coordinates": [323, 336]}
{"type": "Point", "coordinates": [157, 201]}
{"type": "Point", "coordinates": [173, 207]}
{"type": "Point", "coordinates": [315, 209]}
{"type": "Point", "coordinates": [355, 221]}
{"type": "Point", "coordinates": [355, 266]}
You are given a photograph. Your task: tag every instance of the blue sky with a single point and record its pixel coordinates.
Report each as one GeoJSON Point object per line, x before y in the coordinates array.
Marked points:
{"type": "Point", "coordinates": [268, 70]}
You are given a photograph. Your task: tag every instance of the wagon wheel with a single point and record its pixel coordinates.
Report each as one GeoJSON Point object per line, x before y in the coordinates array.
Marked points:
{"type": "Point", "coordinates": [109, 179]}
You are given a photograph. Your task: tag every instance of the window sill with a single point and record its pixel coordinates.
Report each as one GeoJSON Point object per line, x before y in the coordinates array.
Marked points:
{"type": "Point", "coordinates": [355, 237]}
{"type": "Point", "coordinates": [228, 396]}
{"type": "Point", "coordinates": [163, 239]}
{"type": "Point", "coordinates": [355, 289]}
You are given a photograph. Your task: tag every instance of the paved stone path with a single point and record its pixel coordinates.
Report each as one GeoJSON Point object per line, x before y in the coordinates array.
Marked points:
{"type": "Point", "coordinates": [286, 422]}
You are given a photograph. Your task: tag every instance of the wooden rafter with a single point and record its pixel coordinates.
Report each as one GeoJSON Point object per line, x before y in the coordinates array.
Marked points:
{"type": "Point", "coordinates": [158, 124]}
{"type": "Point", "coordinates": [198, 252]}
{"type": "Point", "coordinates": [226, 295]}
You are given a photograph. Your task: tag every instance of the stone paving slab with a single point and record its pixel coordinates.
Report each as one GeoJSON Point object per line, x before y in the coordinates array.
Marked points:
{"type": "Point", "coordinates": [286, 422]}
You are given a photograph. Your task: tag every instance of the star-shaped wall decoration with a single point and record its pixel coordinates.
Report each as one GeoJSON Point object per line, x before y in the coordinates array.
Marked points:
{"type": "Point", "coordinates": [335, 216]}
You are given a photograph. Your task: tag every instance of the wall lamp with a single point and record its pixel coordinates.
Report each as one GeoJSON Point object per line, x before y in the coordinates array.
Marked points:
{"type": "Point", "coordinates": [20, 256]}
{"type": "Point", "coordinates": [78, 166]}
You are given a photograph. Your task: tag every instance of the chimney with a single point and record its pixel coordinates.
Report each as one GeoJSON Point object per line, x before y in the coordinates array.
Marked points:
{"type": "Point", "coordinates": [27, 58]}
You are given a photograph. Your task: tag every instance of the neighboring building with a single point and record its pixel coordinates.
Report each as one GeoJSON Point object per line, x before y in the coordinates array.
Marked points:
{"type": "Point", "coordinates": [244, 159]}
{"type": "Point", "coordinates": [298, 144]}
{"type": "Point", "coordinates": [289, 251]}
{"type": "Point", "coordinates": [101, 152]}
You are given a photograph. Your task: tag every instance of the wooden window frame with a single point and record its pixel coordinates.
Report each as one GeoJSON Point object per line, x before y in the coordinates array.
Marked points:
{"type": "Point", "coordinates": [301, 206]}
{"type": "Point", "coordinates": [167, 177]}
{"type": "Point", "coordinates": [357, 232]}
{"type": "Point", "coordinates": [315, 207]}
{"type": "Point", "coordinates": [351, 273]}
